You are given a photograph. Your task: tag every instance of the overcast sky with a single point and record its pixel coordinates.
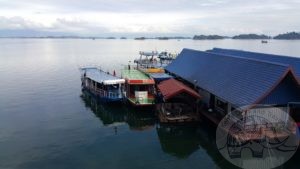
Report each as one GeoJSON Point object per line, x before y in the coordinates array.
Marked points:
{"type": "Point", "coordinates": [147, 17]}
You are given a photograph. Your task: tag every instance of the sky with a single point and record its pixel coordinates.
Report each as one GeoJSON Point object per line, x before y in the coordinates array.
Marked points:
{"type": "Point", "coordinates": [147, 17]}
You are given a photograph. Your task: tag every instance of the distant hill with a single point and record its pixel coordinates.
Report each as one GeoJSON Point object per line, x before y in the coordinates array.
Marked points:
{"type": "Point", "coordinates": [171, 37]}
{"type": "Point", "coordinates": [288, 36]}
{"type": "Point", "coordinates": [162, 38]}
{"type": "Point", "coordinates": [111, 37]}
{"type": "Point", "coordinates": [251, 36]}
{"type": "Point", "coordinates": [140, 38]}
{"type": "Point", "coordinates": [207, 37]}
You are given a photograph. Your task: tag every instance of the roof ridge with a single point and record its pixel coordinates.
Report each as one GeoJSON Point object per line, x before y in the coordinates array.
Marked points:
{"type": "Point", "coordinates": [243, 58]}
{"type": "Point", "coordinates": [277, 55]}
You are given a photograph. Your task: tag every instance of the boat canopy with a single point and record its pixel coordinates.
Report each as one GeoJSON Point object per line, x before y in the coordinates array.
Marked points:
{"type": "Point", "coordinates": [170, 88]}
{"type": "Point", "coordinates": [153, 53]}
{"type": "Point", "coordinates": [100, 76]}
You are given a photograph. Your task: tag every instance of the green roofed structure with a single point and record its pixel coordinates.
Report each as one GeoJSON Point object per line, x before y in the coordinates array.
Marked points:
{"type": "Point", "coordinates": [139, 87]}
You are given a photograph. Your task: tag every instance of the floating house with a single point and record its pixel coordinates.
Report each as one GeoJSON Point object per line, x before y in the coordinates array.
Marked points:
{"type": "Point", "coordinates": [107, 87]}
{"type": "Point", "coordinates": [178, 103]}
{"type": "Point", "coordinates": [230, 82]}
{"type": "Point", "coordinates": [139, 87]}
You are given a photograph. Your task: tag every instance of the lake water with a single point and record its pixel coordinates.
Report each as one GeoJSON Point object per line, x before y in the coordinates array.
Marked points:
{"type": "Point", "coordinates": [46, 121]}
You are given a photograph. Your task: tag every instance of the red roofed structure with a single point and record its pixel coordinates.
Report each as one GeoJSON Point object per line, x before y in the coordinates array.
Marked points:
{"type": "Point", "coordinates": [170, 88]}
{"type": "Point", "coordinates": [179, 104]}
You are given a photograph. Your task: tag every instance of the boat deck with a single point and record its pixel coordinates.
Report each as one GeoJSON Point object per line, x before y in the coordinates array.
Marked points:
{"type": "Point", "coordinates": [133, 74]}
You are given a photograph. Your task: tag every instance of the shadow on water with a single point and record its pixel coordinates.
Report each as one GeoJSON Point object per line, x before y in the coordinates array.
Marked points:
{"type": "Point", "coordinates": [113, 114]}
{"type": "Point", "coordinates": [178, 140]}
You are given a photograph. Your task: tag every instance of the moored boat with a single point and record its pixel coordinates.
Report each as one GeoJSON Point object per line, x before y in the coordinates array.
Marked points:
{"type": "Point", "coordinates": [104, 85]}
{"type": "Point", "coordinates": [139, 87]}
{"type": "Point", "coordinates": [153, 62]}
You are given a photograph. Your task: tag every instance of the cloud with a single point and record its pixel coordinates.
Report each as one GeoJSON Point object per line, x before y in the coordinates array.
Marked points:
{"type": "Point", "coordinates": [102, 17]}
{"type": "Point", "coordinates": [17, 23]}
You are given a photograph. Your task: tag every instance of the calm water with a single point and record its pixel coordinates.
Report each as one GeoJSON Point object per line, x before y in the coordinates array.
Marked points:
{"type": "Point", "coordinates": [46, 121]}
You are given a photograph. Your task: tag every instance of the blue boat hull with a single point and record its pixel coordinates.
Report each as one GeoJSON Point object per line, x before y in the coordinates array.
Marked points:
{"type": "Point", "coordinates": [103, 99]}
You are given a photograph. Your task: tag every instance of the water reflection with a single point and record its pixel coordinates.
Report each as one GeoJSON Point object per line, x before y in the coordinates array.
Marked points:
{"type": "Point", "coordinates": [180, 141]}
{"type": "Point", "coordinates": [116, 114]}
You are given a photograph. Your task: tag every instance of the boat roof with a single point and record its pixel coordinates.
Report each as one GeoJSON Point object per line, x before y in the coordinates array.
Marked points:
{"type": "Point", "coordinates": [160, 76]}
{"type": "Point", "coordinates": [170, 88]}
{"type": "Point", "coordinates": [135, 76]}
{"type": "Point", "coordinates": [100, 76]}
{"type": "Point", "coordinates": [153, 53]}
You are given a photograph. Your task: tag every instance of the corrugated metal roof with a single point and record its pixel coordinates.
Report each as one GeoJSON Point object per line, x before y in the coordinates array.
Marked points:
{"type": "Point", "coordinates": [170, 88]}
{"type": "Point", "coordinates": [160, 76]}
{"type": "Point", "coordinates": [294, 62]}
{"type": "Point", "coordinates": [286, 91]}
{"type": "Point", "coordinates": [99, 76]}
{"type": "Point", "coordinates": [237, 80]}
{"type": "Point", "coordinates": [134, 74]}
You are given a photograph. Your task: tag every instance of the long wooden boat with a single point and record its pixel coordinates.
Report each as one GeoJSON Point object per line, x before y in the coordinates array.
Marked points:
{"type": "Point", "coordinates": [139, 87]}
{"type": "Point", "coordinates": [107, 87]}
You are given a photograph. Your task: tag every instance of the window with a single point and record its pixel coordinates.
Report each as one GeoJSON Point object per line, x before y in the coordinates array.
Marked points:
{"type": "Point", "coordinates": [221, 105]}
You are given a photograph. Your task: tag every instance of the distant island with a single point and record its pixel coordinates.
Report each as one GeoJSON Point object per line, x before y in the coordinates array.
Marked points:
{"type": "Point", "coordinates": [162, 37]}
{"type": "Point", "coordinates": [208, 37]}
{"type": "Point", "coordinates": [251, 36]}
{"type": "Point", "coordinates": [288, 36]}
{"type": "Point", "coordinates": [110, 38]}
{"type": "Point", "coordinates": [285, 36]}
{"type": "Point", "coordinates": [140, 38]}
{"type": "Point", "coordinates": [171, 37]}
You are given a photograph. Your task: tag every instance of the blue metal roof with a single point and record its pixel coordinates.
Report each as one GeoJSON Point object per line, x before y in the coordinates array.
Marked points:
{"type": "Point", "coordinates": [240, 81]}
{"type": "Point", "coordinates": [160, 76]}
{"type": "Point", "coordinates": [287, 91]}
{"type": "Point", "coordinates": [294, 62]}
